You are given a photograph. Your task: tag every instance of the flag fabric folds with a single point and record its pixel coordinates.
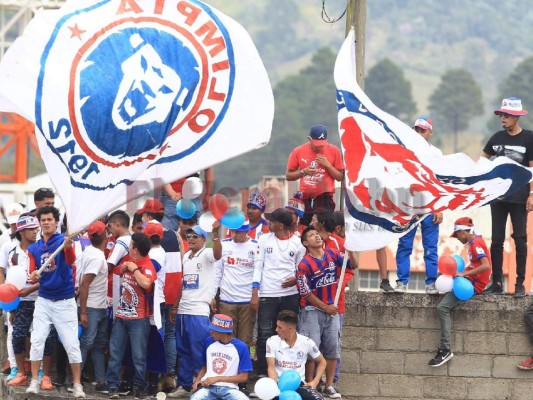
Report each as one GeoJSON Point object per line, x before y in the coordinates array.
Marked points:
{"type": "Point", "coordinates": [393, 179]}
{"type": "Point", "coordinates": [127, 90]}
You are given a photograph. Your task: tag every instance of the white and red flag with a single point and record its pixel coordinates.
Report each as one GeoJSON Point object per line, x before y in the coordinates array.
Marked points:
{"type": "Point", "coordinates": [393, 178]}
{"type": "Point", "coordinates": [134, 90]}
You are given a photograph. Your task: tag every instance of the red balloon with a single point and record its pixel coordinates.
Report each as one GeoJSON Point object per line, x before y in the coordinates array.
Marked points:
{"type": "Point", "coordinates": [218, 205]}
{"type": "Point", "coordinates": [448, 265]}
{"type": "Point", "coordinates": [8, 292]}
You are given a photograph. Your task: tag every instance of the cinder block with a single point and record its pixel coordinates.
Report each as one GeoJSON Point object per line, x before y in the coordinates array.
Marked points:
{"type": "Point", "coordinates": [505, 367]}
{"type": "Point", "coordinates": [470, 366]}
{"type": "Point", "coordinates": [355, 315]}
{"type": "Point", "coordinates": [398, 386]}
{"type": "Point", "coordinates": [359, 338]}
{"type": "Point", "coordinates": [424, 318]}
{"type": "Point", "coordinates": [350, 363]}
{"type": "Point", "coordinates": [474, 320]}
{"type": "Point", "coordinates": [510, 321]}
{"type": "Point", "coordinates": [518, 344]}
{"type": "Point", "coordinates": [445, 388]}
{"type": "Point", "coordinates": [521, 390]}
{"type": "Point", "coordinates": [483, 389]}
{"type": "Point", "coordinates": [391, 317]}
{"type": "Point", "coordinates": [379, 362]}
{"type": "Point", "coordinates": [417, 364]}
{"type": "Point", "coordinates": [485, 342]}
{"type": "Point", "coordinates": [359, 385]}
{"type": "Point", "coordinates": [398, 339]}
{"type": "Point", "coordinates": [429, 339]}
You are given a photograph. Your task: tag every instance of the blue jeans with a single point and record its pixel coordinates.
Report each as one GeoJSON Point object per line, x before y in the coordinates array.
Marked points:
{"type": "Point", "coordinates": [191, 332]}
{"type": "Point", "coordinates": [215, 392]}
{"type": "Point", "coordinates": [95, 337]}
{"type": "Point", "coordinates": [170, 338]}
{"type": "Point", "coordinates": [137, 331]}
{"type": "Point", "coordinates": [430, 238]}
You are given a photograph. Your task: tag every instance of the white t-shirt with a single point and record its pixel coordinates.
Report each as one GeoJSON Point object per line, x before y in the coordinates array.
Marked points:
{"type": "Point", "coordinates": [198, 282]}
{"type": "Point", "coordinates": [92, 261]}
{"type": "Point", "coordinates": [293, 357]}
{"type": "Point", "coordinates": [4, 237]}
{"type": "Point", "coordinates": [8, 246]}
{"type": "Point", "coordinates": [17, 256]}
{"type": "Point", "coordinates": [235, 271]}
{"type": "Point", "coordinates": [158, 254]}
{"type": "Point", "coordinates": [276, 261]}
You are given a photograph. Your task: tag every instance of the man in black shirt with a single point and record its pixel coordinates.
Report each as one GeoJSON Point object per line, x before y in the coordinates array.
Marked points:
{"type": "Point", "coordinates": [517, 144]}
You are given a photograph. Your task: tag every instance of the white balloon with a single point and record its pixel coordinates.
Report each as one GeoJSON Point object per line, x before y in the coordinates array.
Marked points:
{"type": "Point", "coordinates": [266, 389]}
{"type": "Point", "coordinates": [206, 221]}
{"type": "Point", "coordinates": [17, 276]}
{"type": "Point", "coordinates": [192, 188]}
{"type": "Point", "coordinates": [444, 283]}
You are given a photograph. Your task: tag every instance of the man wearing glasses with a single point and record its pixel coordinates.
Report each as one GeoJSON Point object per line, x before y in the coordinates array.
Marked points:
{"type": "Point", "coordinates": [517, 144]}
{"type": "Point", "coordinates": [429, 227]}
{"type": "Point", "coordinates": [191, 309]}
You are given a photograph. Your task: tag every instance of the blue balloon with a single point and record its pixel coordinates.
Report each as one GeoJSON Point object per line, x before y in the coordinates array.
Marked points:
{"type": "Point", "coordinates": [185, 208]}
{"type": "Point", "coordinates": [289, 395]}
{"type": "Point", "coordinates": [289, 380]}
{"type": "Point", "coordinates": [10, 306]}
{"type": "Point", "coordinates": [460, 263]}
{"type": "Point", "coordinates": [463, 288]}
{"type": "Point", "coordinates": [233, 219]}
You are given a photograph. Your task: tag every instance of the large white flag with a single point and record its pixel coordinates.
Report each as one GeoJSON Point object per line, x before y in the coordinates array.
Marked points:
{"type": "Point", "coordinates": [129, 90]}
{"type": "Point", "coordinates": [393, 180]}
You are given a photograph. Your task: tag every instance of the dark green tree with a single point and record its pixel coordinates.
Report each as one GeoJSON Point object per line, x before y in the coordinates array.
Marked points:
{"type": "Point", "coordinates": [454, 102]}
{"type": "Point", "coordinates": [302, 101]}
{"type": "Point", "coordinates": [517, 84]}
{"type": "Point", "coordinates": [387, 87]}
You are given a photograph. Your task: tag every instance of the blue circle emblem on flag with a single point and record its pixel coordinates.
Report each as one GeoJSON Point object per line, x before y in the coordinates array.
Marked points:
{"type": "Point", "coordinates": [126, 83]}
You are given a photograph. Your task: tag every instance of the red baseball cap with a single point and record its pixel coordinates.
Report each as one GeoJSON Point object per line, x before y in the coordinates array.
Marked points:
{"type": "Point", "coordinates": [152, 206]}
{"type": "Point", "coordinates": [96, 228]}
{"type": "Point", "coordinates": [153, 228]}
{"type": "Point", "coordinates": [462, 224]}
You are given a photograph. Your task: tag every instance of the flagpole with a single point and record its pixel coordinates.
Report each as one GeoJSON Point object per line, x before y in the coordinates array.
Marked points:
{"type": "Point", "coordinates": [355, 17]}
{"type": "Point", "coordinates": [55, 253]}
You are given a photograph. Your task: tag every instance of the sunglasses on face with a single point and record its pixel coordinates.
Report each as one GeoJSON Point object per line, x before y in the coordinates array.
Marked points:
{"type": "Point", "coordinates": [44, 191]}
{"type": "Point", "coordinates": [192, 236]}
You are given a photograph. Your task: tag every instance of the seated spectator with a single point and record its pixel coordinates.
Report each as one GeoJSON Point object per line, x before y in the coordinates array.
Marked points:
{"type": "Point", "coordinates": [478, 272]}
{"type": "Point", "coordinates": [226, 363]}
{"type": "Point", "coordinates": [290, 350]}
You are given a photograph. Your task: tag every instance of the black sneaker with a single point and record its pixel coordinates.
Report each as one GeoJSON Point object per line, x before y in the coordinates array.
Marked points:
{"type": "Point", "coordinates": [496, 289]}
{"type": "Point", "coordinates": [385, 287]}
{"type": "Point", "coordinates": [124, 389]}
{"type": "Point", "coordinates": [113, 393]}
{"type": "Point", "coordinates": [519, 291]}
{"type": "Point", "coordinates": [442, 357]}
{"type": "Point", "coordinates": [140, 393]}
{"type": "Point", "coordinates": [101, 387]}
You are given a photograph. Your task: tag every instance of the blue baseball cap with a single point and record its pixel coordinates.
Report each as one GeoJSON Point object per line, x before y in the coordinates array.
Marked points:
{"type": "Point", "coordinates": [196, 229]}
{"type": "Point", "coordinates": [318, 135]}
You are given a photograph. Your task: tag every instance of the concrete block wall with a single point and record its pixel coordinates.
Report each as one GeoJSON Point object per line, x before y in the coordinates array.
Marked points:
{"type": "Point", "coordinates": [388, 340]}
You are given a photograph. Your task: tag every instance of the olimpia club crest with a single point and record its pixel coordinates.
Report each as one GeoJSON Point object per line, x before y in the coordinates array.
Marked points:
{"type": "Point", "coordinates": [147, 81]}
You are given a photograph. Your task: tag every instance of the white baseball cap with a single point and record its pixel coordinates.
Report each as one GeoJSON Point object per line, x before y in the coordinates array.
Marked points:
{"type": "Point", "coordinates": [13, 211]}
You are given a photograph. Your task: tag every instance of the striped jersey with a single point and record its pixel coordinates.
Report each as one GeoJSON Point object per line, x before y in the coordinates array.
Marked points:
{"type": "Point", "coordinates": [320, 276]}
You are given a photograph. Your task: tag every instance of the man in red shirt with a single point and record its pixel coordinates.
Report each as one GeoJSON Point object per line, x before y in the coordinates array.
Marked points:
{"type": "Point", "coordinates": [317, 164]}
{"type": "Point", "coordinates": [478, 272]}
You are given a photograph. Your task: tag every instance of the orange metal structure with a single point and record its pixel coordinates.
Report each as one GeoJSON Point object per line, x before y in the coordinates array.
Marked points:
{"type": "Point", "coordinates": [18, 134]}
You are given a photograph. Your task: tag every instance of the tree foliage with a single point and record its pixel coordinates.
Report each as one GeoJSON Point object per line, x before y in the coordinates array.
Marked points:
{"type": "Point", "coordinates": [387, 87]}
{"type": "Point", "coordinates": [517, 84]}
{"type": "Point", "coordinates": [455, 101]}
{"type": "Point", "coordinates": [302, 101]}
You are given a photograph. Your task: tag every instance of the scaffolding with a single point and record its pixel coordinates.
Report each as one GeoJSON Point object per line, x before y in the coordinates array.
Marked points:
{"type": "Point", "coordinates": [17, 136]}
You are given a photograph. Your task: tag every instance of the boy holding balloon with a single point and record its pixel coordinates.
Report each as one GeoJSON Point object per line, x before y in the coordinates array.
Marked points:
{"type": "Point", "coordinates": [474, 278]}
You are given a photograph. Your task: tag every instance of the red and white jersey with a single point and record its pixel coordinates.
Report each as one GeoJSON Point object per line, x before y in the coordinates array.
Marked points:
{"type": "Point", "coordinates": [235, 271]}
{"type": "Point", "coordinates": [276, 261]}
{"type": "Point", "coordinates": [173, 273]}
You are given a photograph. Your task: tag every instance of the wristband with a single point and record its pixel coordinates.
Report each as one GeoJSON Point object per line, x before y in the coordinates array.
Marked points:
{"type": "Point", "coordinates": [302, 172]}
{"type": "Point", "coordinates": [531, 192]}
{"type": "Point", "coordinates": [135, 270]}
{"type": "Point", "coordinates": [217, 238]}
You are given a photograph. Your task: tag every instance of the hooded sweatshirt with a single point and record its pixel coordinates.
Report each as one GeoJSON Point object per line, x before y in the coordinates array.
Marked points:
{"type": "Point", "coordinates": [57, 281]}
